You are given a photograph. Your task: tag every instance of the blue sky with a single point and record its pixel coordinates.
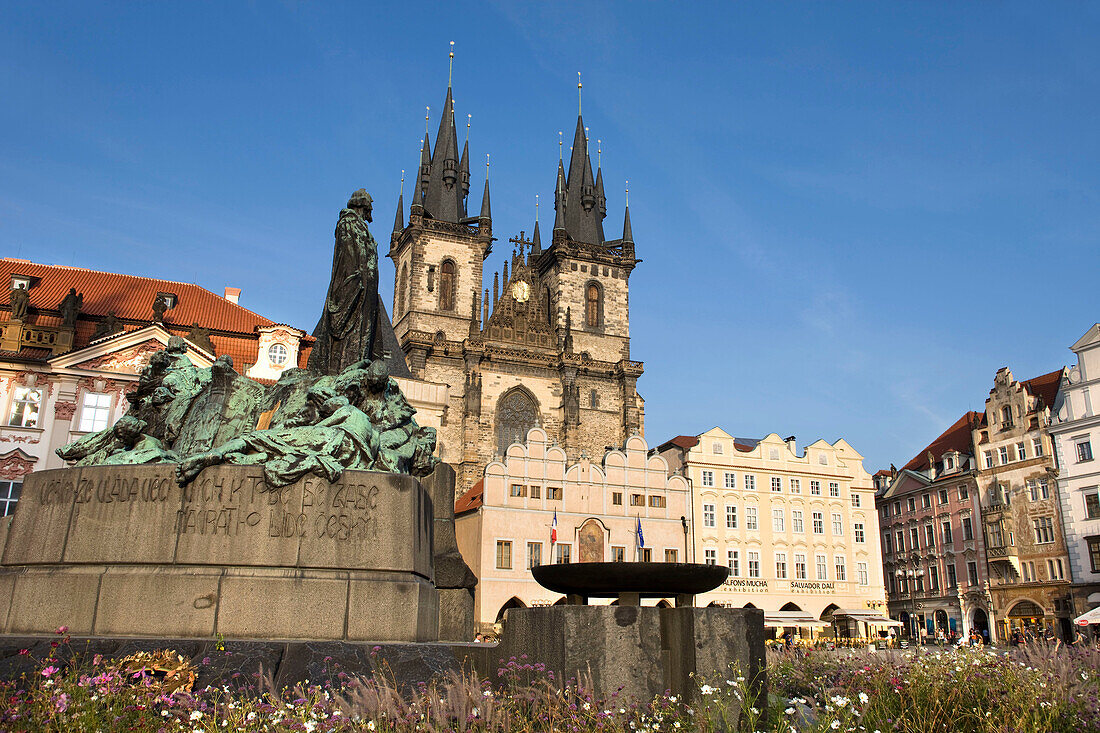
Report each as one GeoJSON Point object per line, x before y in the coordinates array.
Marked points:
{"type": "Point", "coordinates": [850, 215]}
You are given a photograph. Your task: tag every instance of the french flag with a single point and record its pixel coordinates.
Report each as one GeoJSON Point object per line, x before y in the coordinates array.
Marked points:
{"type": "Point", "coordinates": [554, 528]}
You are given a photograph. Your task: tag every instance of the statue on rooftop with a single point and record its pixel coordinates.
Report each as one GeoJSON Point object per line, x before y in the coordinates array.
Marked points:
{"type": "Point", "coordinates": [20, 302]}
{"type": "Point", "coordinates": [347, 331]}
{"type": "Point", "coordinates": [107, 326]}
{"type": "Point", "coordinates": [160, 305]}
{"type": "Point", "coordinates": [70, 308]}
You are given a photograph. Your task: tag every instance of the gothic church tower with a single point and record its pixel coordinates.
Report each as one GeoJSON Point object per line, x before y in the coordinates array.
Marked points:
{"type": "Point", "coordinates": [550, 346]}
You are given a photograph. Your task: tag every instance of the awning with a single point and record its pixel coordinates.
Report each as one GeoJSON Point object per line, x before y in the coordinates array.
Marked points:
{"type": "Point", "coordinates": [866, 616]}
{"type": "Point", "coordinates": [1088, 617]}
{"type": "Point", "coordinates": [780, 619]}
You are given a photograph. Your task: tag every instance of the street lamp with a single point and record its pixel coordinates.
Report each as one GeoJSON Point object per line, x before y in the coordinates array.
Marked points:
{"type": "Point", "coordinates": [909, 576]}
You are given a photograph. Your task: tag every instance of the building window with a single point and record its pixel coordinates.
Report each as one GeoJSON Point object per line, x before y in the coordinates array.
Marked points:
{"type": "Point", "coordinates": [989, 459]}
{"type": "Point", "coordinates": [750, 482]}
{"type": "Point", "coordinates": [1002, 453]}
{"type": "Point", "coordinates": [1044, 530]}
{"type": "Point", "coordinates": [731, 481]}
{"type": "Point", "coordinates": [517, 490]}
{"type": "Point", "coordinates": [24, 407]}
{"type": "Point", "coordinates": [897, 508]}
{"type": "Point", "coordinates": [947, 532]}
{"type": "Point", "coordinates": [911, 504]}
{"type": "Point", "coordinates": [778, 521]}
{"type": "Point", "coordinates": [914, 539]}
{"type": "Point", "coordinates": [1092, 504]}
{"type": "Point", "coordinates": [564, 554]}
{"type": "Point", "coordinates": [504, 555]}
{"type": "Point", "coordinates": [821, 567]}
{"type": "Point", "coordinates": [996, 534]}
{"type": "Point", "coordinates": [276, 354]}
{"type": "Point", "coordinates": [856, 501]}
{"type": "Point", "coordinates": [1037, 446]}
{"type": "Point", "coordinates": [823, 459]}
{"type": "Point", "coordinates": [1084, 451]}
{"type": "Point", "coordinates": [948, 463]}
{"type": "Point", "coordinates": [447, 286]}
{"type": "Point", "coordinates": [819, 523]}
{"type": "Point", "coordinates": [750, 518]}
{"type": "Point", "coordinates": [534, 554]}
{"type": "Point", "coordinates": [943, 496]}
{"type": "Point", "coordinates": [773, 454]}
{"type": "Point", "coordinates": [553, 493]}
{"type": "Point", "coordinates": [796, 486]}
{"type": "Point", "coordinates": [708, 515]}
{"type": "Point", "coordinates": [618, 554]}
{"type": "Point", "coordinates": [796, 521]}
{"type": "Point", "coordinates": [929, 536]}
{"type": "Point", "coordinates": [1055, 569]}
{"type": "Point", "coordinates": [972, 573]}
{"type": "Point", "coordinates": [834, 489]}
{"type": "Point", "coordinates": [639, 500]}
{"type": "Point", "coordinates": [890, 583]}
{"type": "Point", "coordinates": [657, 502]}
{"type": "Point", "coordinates": [516, 414]}
{"type": "Point", "coordinates": [710, 557]}
{"type": "Point", "coordinates": [733, 561]}
{"type": "Point", "coordinates": [754, 564]}
{"type": "Point", "coordinates": [670, 555]}
{"type": "Point", "coordinates": [933, 578]}
{"type": "Point", "coordinates": [594, 399]}
{"type": "Point", "coordinates": [815, 488]}
{"type": "Point", "coordinates": [799, 567]}
{"type": "Point", "coordinates": [9, 496]}
{"type": "Point", "coordinates": [968, 528]}
{"type": "Point", "coordinates": [777, 484]}
{"type": "Point", "coordinates": [838, 526]}
{"type": "Point", "coordinates": [886, 547]}
{"type": "Point", "coordinates": [1044, 488]}
{"type": "Point", "coordinates": [593, 305]}
{"type": "Point", "coordinates": [901, 541]}
{"type": "Point", "coordinates": [952, 579]}
{"type": "Point", "coordinates": [95, 412]}
{"type": "Point", "coordinates": [862, 574]}
{"type": "Point", "coordinates": [617, 498]}
{"type": "Point", "coordinates": [645, 554]}
{"type": "Point", "coordinates": [859, 533]}
{"type": "Point", "coordinates": [708, 478]}
{"type": "Point", "coordinates": [1020, 454]}
{"type": "Point", "coordinates": [781, 565]}
{"type": "Point", "coordinates": [716, 448]}
{"type": "Point", "coordinates": [1093, 544]}
{"type": "Point", "coordinates": [731, 516]}
{"type": "Point", "coordinates": [1033, 489]}
{"type": "Point", "coordinates": [925, 501]}
{"type": "Point", "coordinates": [964, 495]}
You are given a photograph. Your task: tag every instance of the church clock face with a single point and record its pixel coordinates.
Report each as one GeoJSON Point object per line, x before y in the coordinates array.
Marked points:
{"type": "Point", "coordinates": [521, 291]}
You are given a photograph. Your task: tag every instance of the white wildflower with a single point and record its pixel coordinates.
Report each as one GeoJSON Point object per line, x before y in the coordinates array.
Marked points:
{"type": "Point", "coordinates": [196, 715]}
{"type": "Point", "coordinates": [863, 698]}
{"type": "Point", "coordinates": [705, 690]}
{"type": "Point", "coordinates": [835, 724]}
{"type": "Point", "coordinates": [789, 711]}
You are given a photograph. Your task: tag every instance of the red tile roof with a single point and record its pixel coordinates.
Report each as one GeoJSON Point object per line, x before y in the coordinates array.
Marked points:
{"type": "Point", "coordinates": [472, 499]}
{"type": "Point", "coordinates": [884, 472]}
{"type": "Point", "coordinates": [1045, 387]}
{"type": "Point", "coordinates": [687, 442]}
{"type": "Point", "coordinates": [957, 437]}
{"type": "Point", "coordinates": [233, 327]}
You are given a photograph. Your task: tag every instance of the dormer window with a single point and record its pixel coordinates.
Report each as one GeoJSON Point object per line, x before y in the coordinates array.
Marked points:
{"type": "Point", "coordinates": [170, 299]}
{"type": "Point", "coordinates": [948, 463]}
{"type": "Point", "coordinates": [20, 281]}
{"type": "Point", "coordinates": [277, 354]}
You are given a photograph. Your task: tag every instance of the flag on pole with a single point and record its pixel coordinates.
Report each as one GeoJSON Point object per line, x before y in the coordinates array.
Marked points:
{"type": "Point", "coordinates": [641, 539]}
{"type": "Point", "coordinates": [554, 529]}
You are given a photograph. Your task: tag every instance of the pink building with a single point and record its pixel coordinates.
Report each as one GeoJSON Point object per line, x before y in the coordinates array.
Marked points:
{"type": "Point", "coordinates": [504, 522]}
{"type": "Point", "coordinates": [932, 545]}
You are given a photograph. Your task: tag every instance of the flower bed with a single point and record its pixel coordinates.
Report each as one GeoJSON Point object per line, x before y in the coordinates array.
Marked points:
{"type": "Point", "coordinates": [1047, 689]}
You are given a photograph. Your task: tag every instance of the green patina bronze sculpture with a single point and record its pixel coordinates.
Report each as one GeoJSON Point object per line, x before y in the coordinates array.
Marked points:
{"type": "Point", "coordinates": [343, 412]}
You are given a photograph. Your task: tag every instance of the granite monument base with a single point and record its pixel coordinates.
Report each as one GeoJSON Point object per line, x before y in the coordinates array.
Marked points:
{"type": "Point", "coordinates": [642, 650]}
{"type": "Point", "coordinates": [125, 551]}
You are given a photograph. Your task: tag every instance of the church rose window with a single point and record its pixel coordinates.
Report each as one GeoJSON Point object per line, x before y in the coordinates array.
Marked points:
{"type": "Point", "coordinates": [516, 414]}
{"type": "Point", "coordinates": [447, 286]}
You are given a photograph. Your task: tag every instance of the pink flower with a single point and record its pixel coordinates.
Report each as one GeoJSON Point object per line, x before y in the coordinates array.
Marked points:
{"type": "Point", "coordinates": [49, 671]}
{"type": "Point", "coordinates": [24, 652]}
{"type": "Point", "coordinates": [62, 629]}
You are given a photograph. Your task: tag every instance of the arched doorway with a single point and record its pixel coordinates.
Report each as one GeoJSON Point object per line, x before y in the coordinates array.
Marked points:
{"type": "Point", "coordinates": [516, 413]}
{"type": "Point", "coordinates": [1027, 622]}
{"type": "Point", "coordinates": [941, 620]}
{"type": "Point", "coordinates": [979, 621]}
{"type": "Point", "coordinates": [790, 607]}
{"type": "Point", "coordinates": [906, 624]}
{"type": "Point", "coordinates": [512, 602]}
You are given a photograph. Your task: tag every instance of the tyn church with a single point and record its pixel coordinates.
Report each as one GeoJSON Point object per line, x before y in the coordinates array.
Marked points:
{"type": "Point", "coordinates": [550, 346]}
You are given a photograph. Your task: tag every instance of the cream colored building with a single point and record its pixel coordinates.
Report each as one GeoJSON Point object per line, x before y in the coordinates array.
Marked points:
{"type": "Point", "coordinates": [503, 522]}
{"type": "Point", "coordinates": [799, 532]}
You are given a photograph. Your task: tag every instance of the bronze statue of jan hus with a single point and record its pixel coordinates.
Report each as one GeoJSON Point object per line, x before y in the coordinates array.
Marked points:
{"type": "Point", "coordinates": [348, 329]}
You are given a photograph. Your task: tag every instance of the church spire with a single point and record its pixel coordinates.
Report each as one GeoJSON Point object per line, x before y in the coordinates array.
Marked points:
{"type": "Point", "coordinates": [628, 233]}
{"type": "Point", "coordinates": [536, 240]}
{"type": "Point", "coordinates": [425, 172]}
{"type": "Point", "coordinates": [486, 216]}
{"type": "Point", "coordinates": [581, 211]}
{"type": "Point", "coordinates": [559, 197]}
{"type": "Point", "coordinates": [464, 167]}
{"type": "Point", "coordinates": [443, 200]}
{"type": "Point", "coordinates": [399, 220]}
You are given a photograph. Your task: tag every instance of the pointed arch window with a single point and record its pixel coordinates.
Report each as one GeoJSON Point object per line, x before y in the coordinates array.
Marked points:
{"type": "Point", "coordinates": [447, 286]}
{"type": "Point", "coordinates": [593, 305]}
{"type": "Point", "coordinates": [400, 309]}
{"type": "Point", "coordinates": [516, 414]}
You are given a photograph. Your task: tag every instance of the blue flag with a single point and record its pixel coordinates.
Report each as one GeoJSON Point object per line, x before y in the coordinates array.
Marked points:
{"type": "Point", "coordinates": [641, 539]}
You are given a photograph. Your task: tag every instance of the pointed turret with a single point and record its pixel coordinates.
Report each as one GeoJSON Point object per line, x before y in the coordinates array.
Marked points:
{"type": "Point", "coordinates": [628, 234]}
{"type": "Point", "coordinates": [601, 202]}
{"type": "Point", "coordinates": [567, 343]}
{"type": "Point", "coordinates": [399, 220]}
{"type": "Point", "coordinates": [536, 241]}
{"type": "Point", "coordinates": [464, 174]}
{"type": "Point", "coordinates": [581, 209]}
{"type": "Point", "coordinates": [443, 199]}
{"type": "Point", "coordinates": [559, 200]}
{"type": "Point", "coordinates": [425, 175]}
{"type": "Point", "coordinates": [486, 212]}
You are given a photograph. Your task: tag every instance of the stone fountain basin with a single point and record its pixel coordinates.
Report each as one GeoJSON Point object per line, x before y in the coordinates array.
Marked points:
{"type": "Point", "coordinates": [647, 579]}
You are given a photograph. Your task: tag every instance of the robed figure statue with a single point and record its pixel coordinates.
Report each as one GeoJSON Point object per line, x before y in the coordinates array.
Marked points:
{"type": "Point", "coordinates": [348, 330]}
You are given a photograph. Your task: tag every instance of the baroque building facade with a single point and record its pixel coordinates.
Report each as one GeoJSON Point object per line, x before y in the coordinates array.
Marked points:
{"type": "Point", "coordinates": [1074, 429]}
{"type": "Point", "coordinates": [537, 507]}
{"type": "Point", "coordinates": [799, 532]}
{"type": "Point", "coordinates": [933, 547]}
{"type": "Point", "coordinates": [549, 346]}
{"type": "Point", "coordinates": [1029, 566]}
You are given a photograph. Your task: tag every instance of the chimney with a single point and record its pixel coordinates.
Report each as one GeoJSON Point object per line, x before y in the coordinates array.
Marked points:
{"type": "Point", "coordinates": [233, 295]}
{"type": "Point", "coordinates": [792, 446]}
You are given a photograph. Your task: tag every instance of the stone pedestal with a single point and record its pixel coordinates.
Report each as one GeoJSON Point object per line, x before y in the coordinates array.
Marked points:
{"type": "Point", "coordinates": [453, 577]}
{"type": "Point", "coordinates": [124, 551]}
{"type": "Point", "coordinates": [644, 650]}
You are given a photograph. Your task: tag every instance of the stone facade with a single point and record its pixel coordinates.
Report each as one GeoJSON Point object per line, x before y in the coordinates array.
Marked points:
{"type": "Point", "coordinates": [1021, 513]}
{"type": "Point", "coordinates": [504, 522]}
{"type": "Point", "coordinates": [549, 347]}
{"type": "Point", "coordinates": [1075, 430]}
{"type": "Point", "coordinates": [933, 548]}
{"type": "Point", "coordinates": [799, 532]}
